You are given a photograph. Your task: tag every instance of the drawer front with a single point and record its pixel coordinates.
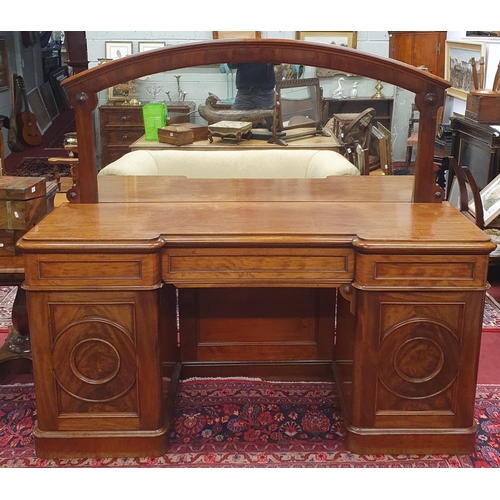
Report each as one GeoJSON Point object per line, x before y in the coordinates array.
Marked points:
{"type": "Point", "coordinates": [119, 116]}
{"type": "Point", "coordinates": [123, 136]}
{"type": "Point", "coordinates": [92, 271]}
{"type": "Point", "coordinates": [291, 266]}
{"type": "Point", "coordinates": [421, 271]}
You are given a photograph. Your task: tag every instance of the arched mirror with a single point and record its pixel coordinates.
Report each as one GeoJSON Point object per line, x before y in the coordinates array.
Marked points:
{"type": "Point", "coordinates": [154, 75]}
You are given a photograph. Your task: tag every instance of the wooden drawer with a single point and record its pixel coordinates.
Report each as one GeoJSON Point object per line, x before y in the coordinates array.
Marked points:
{"type": "Point", "coordinates": [421, 271]}
{"type": "Point", "coordinates": [291, 266]}
{"type": "Point", "coordinates": [92, 271]}
{"type": "Point", "coordinates": [121, 115]}
{"type": "Point", "coordinates": [123, 136]}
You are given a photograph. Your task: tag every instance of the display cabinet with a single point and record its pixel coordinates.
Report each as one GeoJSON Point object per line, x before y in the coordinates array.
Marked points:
{"type": "Point", "coordinates": [477, 146]}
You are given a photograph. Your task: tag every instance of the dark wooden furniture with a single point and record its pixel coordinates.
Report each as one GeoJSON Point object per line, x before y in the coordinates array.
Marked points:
{"type": "Point", "coordinates": [477, 146]}
{"type": "Point", "coordinates": [120, 126]}
{"type": "Point", "coordinates": [16, 347]}
{"type": "Point", "coordinates": [383, 108]}
{"type": "Point", "coordinates": [407, 279]}
{"type": "Point", "coordinates": [419, 48]}
{"type": "Point", "coordinates": [255, 300]}
{"type": "Point", "coordinates": [304, 142]}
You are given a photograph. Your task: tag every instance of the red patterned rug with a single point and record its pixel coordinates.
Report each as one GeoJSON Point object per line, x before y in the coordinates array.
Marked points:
{"type": "Point", "coordinates": [250, 423]}
{"type": "Point", "coordinates": [491, 315]}
{"type": "Point", "coordinates": [39, 167]}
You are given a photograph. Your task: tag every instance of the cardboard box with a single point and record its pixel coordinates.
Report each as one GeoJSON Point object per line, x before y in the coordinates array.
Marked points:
{"type": "Point", "coordinates": [483, 108]}
{"type": "Point", "coordinates": [178, 135]}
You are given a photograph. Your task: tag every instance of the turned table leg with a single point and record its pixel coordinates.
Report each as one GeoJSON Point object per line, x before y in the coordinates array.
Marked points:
{"type": "Point", "coordinates": [17, 344]}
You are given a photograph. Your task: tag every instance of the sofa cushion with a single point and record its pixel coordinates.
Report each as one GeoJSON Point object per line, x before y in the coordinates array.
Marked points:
{"type": "Point", "coordinates": [261, 163]}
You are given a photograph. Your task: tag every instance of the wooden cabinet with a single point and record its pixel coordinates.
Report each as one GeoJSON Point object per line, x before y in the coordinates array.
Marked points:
{"type": "Point", "coordinates": [123, 125]}
{"type": "Point", "coordinates": [419, 48]}
{"type": "Point", "coordinates": [120, 127]}
{"type": "Point", "coordinates": [477, 146]}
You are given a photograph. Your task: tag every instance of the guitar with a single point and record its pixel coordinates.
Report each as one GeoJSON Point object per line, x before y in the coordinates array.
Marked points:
{"type": "Point", "coordinates": [26, 121]}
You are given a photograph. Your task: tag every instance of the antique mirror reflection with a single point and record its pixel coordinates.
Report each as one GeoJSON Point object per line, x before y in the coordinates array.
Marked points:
{"type": "Point", "coordinates": [308, 104]}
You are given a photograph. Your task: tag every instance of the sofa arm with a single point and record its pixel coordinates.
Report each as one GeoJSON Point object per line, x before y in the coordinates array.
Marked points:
{"type": "Point", "coordinates": [135, 163]}
{"type": "Point", "coordinates": [327, 163]}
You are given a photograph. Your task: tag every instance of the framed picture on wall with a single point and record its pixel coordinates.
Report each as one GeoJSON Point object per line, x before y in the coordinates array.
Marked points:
{"type": "Point", "coordinates": [342, 38]}
{"type": "Point", "coordinates": [236, 34]}
{"type": "Point", "coordinates": [458, 66]}
{"type": "Point", "coordinates": [117, 50]}
{"type": "Point", "coordinates": [4, 65]}
{"type": "Point", "coordinates": [144, 46]}
{"type": "Point", "coordinates": [490, 196]}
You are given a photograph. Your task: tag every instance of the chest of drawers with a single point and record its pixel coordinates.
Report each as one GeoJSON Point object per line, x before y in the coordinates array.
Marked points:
{"type": "Point", "coordinates": [120, 126]}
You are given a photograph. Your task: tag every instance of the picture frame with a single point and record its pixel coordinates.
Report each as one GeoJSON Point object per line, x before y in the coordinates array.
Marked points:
{"type": "Point", "coordinates": [145, 46]}
{"type": "Point", "coordinates": [342, 38]}
{"type": "Point", "coordinates": [120, 92]}
{"type": "Point", "coordinates": [117, 50]}
{"type": "Point", "coordinates": [490, 198]}
{"type": "Point", "coordinates": [458, 68]}
{"type": "Point", "coordinates": [218, 35]}
{"type": "Point", "coordinates": [60, 95]}
{"type": "Point", "coordinates": [37, 107]}
{"type": "Point", "coordinates": [4, 65]}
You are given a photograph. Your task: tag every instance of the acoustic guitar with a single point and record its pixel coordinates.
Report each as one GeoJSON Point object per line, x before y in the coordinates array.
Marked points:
{"type": "Point", "coordinates": [26, 121]}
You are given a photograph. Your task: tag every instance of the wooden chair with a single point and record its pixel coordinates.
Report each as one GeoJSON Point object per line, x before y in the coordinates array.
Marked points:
{"type": "Point", "coordinates": [357, 132]}
{"type": "Point", "coordinates": [384, 148]}
{"type": "Point", "coordinates": [464, 191]}
{"type": "Point", "coordinates": [71, 146]}
{"type": "Point", "coordinates": [412, 139]}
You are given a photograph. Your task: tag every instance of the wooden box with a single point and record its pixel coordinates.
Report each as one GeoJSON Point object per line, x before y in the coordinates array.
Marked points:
{"type": "Point", "coordinates": [483, 108]}
{"type": "Point", "coordinates": [9, 237]}
{"type": "Point", "coordinates": [175, 118]}
{"type": "Point", "coordinates": [200, 132]}
{"type": "Point", "coordinates": [178, 135]}
{"type": "Point", "coordinates": [23, 201]}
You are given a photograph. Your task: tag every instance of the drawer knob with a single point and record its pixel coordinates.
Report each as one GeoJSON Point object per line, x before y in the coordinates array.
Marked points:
{"type": "Point", "coordinates": [124, 118]}
{"type": "Point", "coordinates": [125, 136]}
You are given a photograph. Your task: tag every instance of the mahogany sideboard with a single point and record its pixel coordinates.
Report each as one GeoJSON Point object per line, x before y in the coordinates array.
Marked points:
{"type": "Point", "coordinates": [407, 281]}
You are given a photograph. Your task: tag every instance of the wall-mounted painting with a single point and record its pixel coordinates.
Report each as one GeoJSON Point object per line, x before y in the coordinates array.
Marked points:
{"type": "Point", "coordinates": [144, 46]}
{"type": "Point", "coordinates": [236, 34]}
{"type": "Point", "coordinates": [117, 50]}
{"type": "Point", "coordinates": [4, 65]}
{"type": "Point", "coordinates": [458, 67]}
{"type": "Point", "coordinates": [342, 38]}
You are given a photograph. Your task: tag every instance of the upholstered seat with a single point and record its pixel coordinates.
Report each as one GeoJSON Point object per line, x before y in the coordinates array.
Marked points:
{"type": "Point", "coordinates": [217, 164]}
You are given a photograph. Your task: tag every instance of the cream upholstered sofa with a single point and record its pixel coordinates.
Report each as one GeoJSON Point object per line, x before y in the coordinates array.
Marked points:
{"type": "Point", "coordinates": [223, 164]}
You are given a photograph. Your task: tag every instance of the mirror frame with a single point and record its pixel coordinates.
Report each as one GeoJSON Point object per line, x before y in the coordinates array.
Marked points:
{"type": "Point", "coordinates": [83, 89]}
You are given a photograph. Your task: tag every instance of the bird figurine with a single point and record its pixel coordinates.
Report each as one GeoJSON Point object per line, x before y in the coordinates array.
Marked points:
{"type": "Point", "coordinates": [337, 93]}
{"type": "Point", "coordinates": [354, 91]}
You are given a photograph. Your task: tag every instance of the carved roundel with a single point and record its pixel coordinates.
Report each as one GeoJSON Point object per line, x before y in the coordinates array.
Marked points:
{"type": "Point", "coordinates": [418, 359]}
{"type": "Point", "coordinates": [94, 360]}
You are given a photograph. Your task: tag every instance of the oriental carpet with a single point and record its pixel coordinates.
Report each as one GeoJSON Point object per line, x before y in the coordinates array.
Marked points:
{"type": "Point", "coordinates": [250, 423]}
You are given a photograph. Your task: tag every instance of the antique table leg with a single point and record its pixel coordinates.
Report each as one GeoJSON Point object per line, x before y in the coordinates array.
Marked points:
{"type": "Point", "coordinates": [17, 344]}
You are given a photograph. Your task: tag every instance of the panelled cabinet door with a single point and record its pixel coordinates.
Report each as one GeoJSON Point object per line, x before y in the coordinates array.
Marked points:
{"type": "Point", "coordinates": [419, 48]}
